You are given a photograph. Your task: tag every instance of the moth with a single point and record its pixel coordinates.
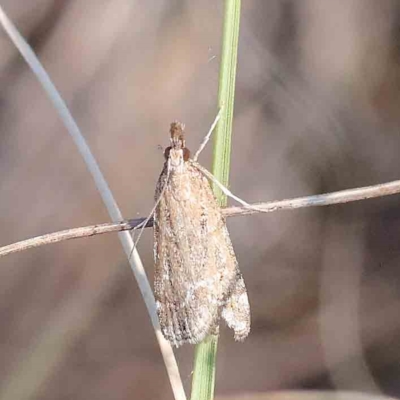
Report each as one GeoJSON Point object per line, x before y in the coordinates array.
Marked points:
{"type": "Point", "coordinates": [197, 278]}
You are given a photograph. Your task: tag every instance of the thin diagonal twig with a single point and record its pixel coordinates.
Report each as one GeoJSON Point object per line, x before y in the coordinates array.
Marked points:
{"type": "Point", "coordinates": [343, 196]}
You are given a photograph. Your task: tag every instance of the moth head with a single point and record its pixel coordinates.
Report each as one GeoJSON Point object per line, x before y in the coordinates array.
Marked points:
{"type": "Point", "coordinates": [177, 153]}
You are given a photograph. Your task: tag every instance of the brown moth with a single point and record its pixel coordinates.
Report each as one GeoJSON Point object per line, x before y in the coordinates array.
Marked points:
{"type": "Point", "coordinates": [197, 278]}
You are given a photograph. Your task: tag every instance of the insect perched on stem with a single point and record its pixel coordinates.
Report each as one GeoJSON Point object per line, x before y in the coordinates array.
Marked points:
{"type": "Point", "coordinates": [197, 278]}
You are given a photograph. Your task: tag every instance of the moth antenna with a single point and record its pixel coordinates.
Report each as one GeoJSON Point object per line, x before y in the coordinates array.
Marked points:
{"type": "Point", "coordinates": [207, 137]}
{"type": "Point", "coordinates": [224, 189]}
{"type": "Point", "coordinates": [143, 224]}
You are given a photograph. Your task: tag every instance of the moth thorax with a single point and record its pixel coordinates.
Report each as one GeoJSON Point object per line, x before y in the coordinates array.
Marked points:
{"type": "Point", "coordinates": [176, 160]}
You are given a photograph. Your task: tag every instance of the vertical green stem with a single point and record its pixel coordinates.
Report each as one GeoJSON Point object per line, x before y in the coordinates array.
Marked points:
{"type": "Point", "coordinates": [206, 352]}
{"type": "Point", "coordinates": [205, 358]}
{"type": "Point", "coordinates": [226, 97]}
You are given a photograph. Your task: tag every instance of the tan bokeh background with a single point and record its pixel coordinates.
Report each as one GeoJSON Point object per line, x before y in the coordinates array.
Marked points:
{"type": "Point", "coordinates": [317, 110]}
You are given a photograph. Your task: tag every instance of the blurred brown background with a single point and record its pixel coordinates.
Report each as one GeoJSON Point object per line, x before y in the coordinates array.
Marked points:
{"type": "Point", "coordinates": [317, 110]}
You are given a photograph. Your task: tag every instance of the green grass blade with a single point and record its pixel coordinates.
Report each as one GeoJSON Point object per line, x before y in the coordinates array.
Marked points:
{"type": "Point", "coordinates": [226, 97]}
{"type": "Point", "coordinates": [205, 358]}
{"type": "Point", "coordinates": [206, 352]}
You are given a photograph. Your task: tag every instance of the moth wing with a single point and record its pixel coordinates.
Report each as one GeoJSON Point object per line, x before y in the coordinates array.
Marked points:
{"type": "Point", "coordinates": [236, 311]}
{"type": "Point", "coordinates": [197, 275]}
{"type": "Point", "coordinates": [235, 302]}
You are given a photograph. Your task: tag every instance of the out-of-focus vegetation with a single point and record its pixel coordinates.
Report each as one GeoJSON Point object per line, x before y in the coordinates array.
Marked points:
{"type": "Point", "coordinates": [317, 110]}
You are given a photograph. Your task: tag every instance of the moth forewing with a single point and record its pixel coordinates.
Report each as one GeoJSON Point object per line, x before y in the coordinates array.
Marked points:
{"type": "Point", "coordinates": [197, 279]}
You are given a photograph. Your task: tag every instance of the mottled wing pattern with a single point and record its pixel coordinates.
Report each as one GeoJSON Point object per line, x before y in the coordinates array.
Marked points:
{"type": "Point", "coordinates": [236, 311]}
{"type": "Point", "coordinates": [197, 278]}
